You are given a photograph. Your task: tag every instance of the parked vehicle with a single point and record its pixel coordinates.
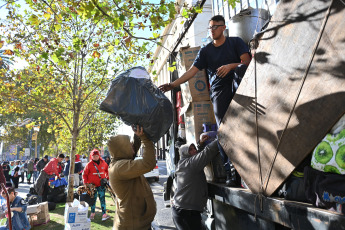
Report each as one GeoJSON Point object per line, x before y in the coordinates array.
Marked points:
{"type": "Point", "coordinates": [153, 174]}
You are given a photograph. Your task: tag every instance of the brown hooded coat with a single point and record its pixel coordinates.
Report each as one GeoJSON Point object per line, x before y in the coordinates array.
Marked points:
{"type": "Point", "coordinates": [135, 206]}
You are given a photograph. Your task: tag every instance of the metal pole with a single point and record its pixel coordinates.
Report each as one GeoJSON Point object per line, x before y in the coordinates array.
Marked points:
{"type": "Point", "coordinates": [36, 148]}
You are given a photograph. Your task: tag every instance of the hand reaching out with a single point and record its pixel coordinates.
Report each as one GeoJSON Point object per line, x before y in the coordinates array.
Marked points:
{"type": "Point", "coordinates": [203, 139]}
{"type": "Point", "coordinates": [138, 130]}
{"type": "Point", "coordinates": [166, 87]}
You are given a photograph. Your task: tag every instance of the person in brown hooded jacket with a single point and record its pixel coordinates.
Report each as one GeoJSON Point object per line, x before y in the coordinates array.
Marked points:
{"type": "Point", "coordinates": [135, 206]}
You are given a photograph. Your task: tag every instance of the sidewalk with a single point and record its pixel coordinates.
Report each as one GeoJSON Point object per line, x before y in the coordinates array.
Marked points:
{"type": "Point", "coordinates": [23, 189]}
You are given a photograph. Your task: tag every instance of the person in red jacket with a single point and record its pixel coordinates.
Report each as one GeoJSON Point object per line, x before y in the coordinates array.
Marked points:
{"type": "Point", "coordinates": [94, 172]}
{"type": "Point", "coordinates": [41, 185]}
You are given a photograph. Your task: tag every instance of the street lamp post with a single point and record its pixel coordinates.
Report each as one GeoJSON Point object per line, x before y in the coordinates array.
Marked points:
{"type": "Point", "coordinates": [34, 137]}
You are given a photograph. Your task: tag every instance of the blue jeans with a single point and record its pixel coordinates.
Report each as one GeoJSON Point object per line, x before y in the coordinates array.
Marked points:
{"type": "Point", "coordinates": [226, 161]}
{"type": "Point", "coordinates": [35, 175]}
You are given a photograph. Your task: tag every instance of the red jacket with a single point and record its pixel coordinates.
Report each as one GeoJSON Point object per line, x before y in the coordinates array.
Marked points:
{"type": "Point", "coordinates": [52, 167]}
{"type": "Point", "coordinates": [90, 174]}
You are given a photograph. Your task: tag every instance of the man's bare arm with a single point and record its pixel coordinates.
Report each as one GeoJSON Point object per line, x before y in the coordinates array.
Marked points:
{"type": "Point", "coordinates": [185, 77]}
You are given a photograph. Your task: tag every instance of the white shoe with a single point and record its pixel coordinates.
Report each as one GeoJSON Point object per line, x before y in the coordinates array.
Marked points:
{"type": "Point", "coordinates": [105, 217]}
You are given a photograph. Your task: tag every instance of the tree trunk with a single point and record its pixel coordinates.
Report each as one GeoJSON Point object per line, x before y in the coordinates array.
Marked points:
{"type": "Point", "coordinates": [75, 133]}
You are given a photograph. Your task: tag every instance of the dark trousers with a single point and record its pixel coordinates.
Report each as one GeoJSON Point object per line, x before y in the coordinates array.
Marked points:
{"type": "Point", "coordinates": [186, 219]}
{"type": "Point", "coordinates": [15, 181]}
{"type": "Point", "coordinates": [22, 177]}
{"type": "Point", "coordinates": [221, 101]}
{"type": "Point", "coordinates": [45, 191]}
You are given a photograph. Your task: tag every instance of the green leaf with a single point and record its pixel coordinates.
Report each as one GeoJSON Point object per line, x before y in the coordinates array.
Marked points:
{"type": "Point", "coordinates": [122, 17]}
{"type": "Point", "coordinates": [33, 20]}
{"type": "Point", "coordinates": [184, 13]}
{"type": "Point", "coordinates": [55, 58]}
{"type": "Point", "coordinates": [59, 51]}
{"type": "Point", "coordinates": [44, 55]}
{"type": "Point", "coordinates": [233, 3]}
{"type": "Point", "coordinates": [57, 27]}
{"type": "Point", "coordinates": [171, 69]}
{"type": "Point", "coordinates": [110, 49]}
{"type": "Point", "coordinates": [46, 15]}
{"type": "Point", "coordinates": [77, 43]}
{"type": "Point", "coordinates": [198, 10]}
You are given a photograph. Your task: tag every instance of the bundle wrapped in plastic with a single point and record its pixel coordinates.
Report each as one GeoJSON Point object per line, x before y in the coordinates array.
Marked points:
{"type": "Point", "coordinates": [137, 101]}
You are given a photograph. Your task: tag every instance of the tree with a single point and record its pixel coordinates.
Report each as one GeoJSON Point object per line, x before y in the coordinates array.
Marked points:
{"type": "Point", "coordinates": [68, 68]}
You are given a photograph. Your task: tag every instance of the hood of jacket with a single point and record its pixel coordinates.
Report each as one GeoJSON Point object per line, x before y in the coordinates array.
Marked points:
{"type": "Point", "coordinates": [184, 151]}
{"type": "Point", "coordinates": [120, 147]}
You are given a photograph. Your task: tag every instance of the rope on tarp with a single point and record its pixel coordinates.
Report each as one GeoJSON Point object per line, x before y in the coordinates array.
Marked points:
{"type": "Point", "coordinates": [266, 180]}
{"type": "Point", "coordinates": [254, 44]}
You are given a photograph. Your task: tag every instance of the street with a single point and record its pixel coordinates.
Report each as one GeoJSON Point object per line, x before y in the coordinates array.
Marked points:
{"type": "Point", "coordinates": [163, 217]}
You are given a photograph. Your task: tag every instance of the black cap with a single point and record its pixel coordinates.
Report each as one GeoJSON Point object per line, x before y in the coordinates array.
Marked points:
{"type": "Point", "coordinates": [46, 156]}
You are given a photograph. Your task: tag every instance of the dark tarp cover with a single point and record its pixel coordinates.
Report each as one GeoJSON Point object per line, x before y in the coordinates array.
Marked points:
{"type": "Point", "coordinates": [137, 101]}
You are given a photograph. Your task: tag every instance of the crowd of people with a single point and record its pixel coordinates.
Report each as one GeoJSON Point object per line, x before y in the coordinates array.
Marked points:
{"type": "Point", "coordinates": [39, 171]}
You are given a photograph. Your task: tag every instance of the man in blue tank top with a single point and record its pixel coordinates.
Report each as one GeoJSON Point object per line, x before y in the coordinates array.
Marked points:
{"type": "Point", "coordinates": [225, 60]}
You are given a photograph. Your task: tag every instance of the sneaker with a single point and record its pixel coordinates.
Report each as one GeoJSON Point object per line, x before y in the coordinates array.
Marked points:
{"type": "Point", "coordinates": [92, 216]}
{"type": "Point", "coordinates": [105, 217]}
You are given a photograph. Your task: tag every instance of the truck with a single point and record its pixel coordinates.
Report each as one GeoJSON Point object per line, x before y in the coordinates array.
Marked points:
{"type": "Point", "coordinates": [301, 35]}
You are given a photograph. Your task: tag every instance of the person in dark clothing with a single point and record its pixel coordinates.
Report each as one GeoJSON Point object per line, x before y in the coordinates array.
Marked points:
{"type": "Point", "coordinates": [77, 170]}
{"type": "Point", "coordinates": [15, 174]}
{"type": "Point", "coordinates": [107, 160]}
{"type": "Point", "coordinates": [225, 60]}
{"type": "Point", "coordinates": [2, 177]}
{"type": "Point", "coordinates": [35, 173]}
{"type": "Point", "coordinates": [67, 165]}
{"type": "Point", "coordinates": [6, 170]}
{"type": "Point", "coordinates": [30, 170]}
{"type": "Point", "coordinates": [42, 163]}
{"type": "Point", "coordinates": [22, 171]}
{"type": "Point", "coordinates": [191, 186]}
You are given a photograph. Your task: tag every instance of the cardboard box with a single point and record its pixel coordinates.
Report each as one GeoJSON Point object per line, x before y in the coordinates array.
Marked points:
{"type": "Point", "coordinates": [78, 226]}
{"type": "Point", "coordinates": [42, 217]}
{"type": "Point", "coordinates": [196, 89]}
{"type": "Point", "coordinates": [33, 209]}
{"type": "Point", "coordinates": [196, 114]}
{"type": "Point", "coordinates": [73, 215]}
